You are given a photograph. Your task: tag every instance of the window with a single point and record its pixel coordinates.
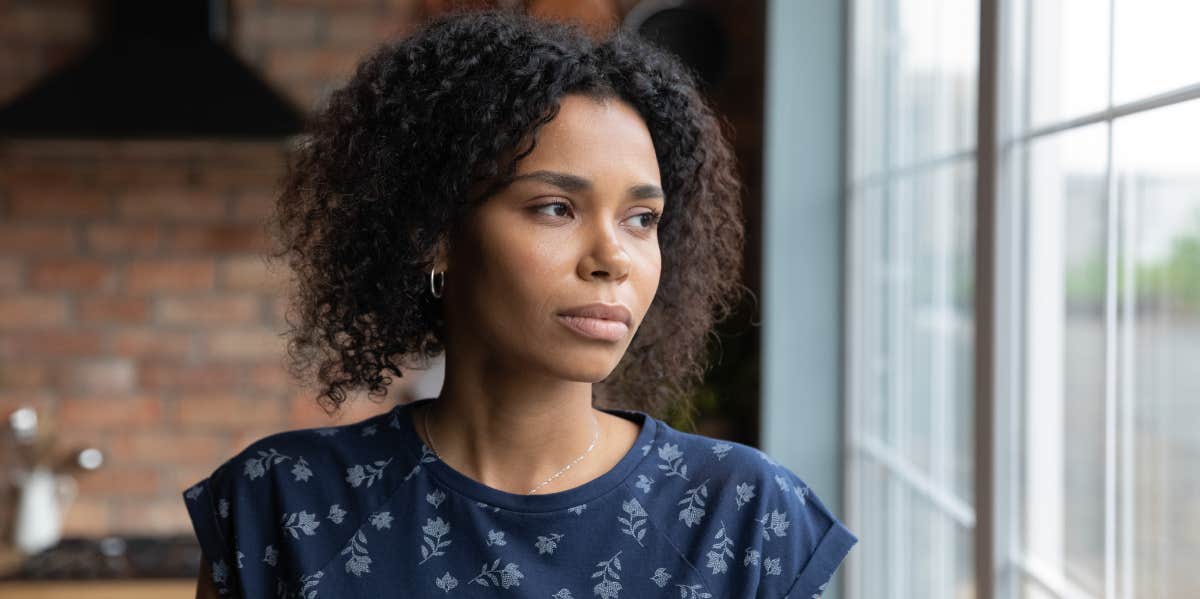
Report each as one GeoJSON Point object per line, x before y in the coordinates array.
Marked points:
{"type": "Point", "coordinates": [1097, 326]}
{"type": "Point", "coordinates": [911, 222]}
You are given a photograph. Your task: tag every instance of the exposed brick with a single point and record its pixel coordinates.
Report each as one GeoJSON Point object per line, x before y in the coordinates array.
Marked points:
{"type": "Point", "coordinates": [56, 343]}
{"type": "Point", "coordinates": [189, 377]}
{"type": "Point", "coordinates": [320, 62]}
{"type": "Point", "coordinates": [152, 249]}
{"type": "Point", "coordinates": [268, 376]}
{"type": "Point", "coordinates": [21, 311]}
{"type": "Point", "coordinates": [171, 203]}
{"type": "Point", "coordinates": [59, 202]}
{"type": "Point", "coordinates": [132, 173]}
{"type": "Point", "coordinates": [124, 480]}
{"type": "Point", "coordinates": [152, 516]}
{"type": "Point", "coordinates": [39, 399]}
{"type": "Point", "coordinates": [121, 238]}
{"type": "Point", "coordinates": [252, 273]}
{"type": "Point", "coordinates": [151, 343]}
{"type": "Point", "coordinates": [219, 238]}
{"type": "Point", "coordinates": [280, 27]}
{"type": "Point", "coordinates": [55, 154]}
{"type": "Point", "coordinates": [72, 274]}
{"type": "Point", "coordinates": [357, 29]}
{"type": "Point", "coordinates": [180, 274]}
{"type": "Point", "coordinates": [103, 375]}
{"type": "Point", "coordinates": [11, 274]}
{"type": "Point", "coordinates": [183, 476]}
{"type": "Point", "coordinates": [259, 152]}
{"type": "Point", "coordinates": [226, 411]}
{"type": "Point", "coordinates": [236, 309]}
{"type": "Point", "coordinates": [88, 516]}
{"type": "Point", "coordinates": [245, 437]}
{"type": "Point", "coordinates": [159, 151]}
{"type": "Point", "coordinates": [255, 205]}
{"type": "Point", "coordinates": [170, 447]}
{"type": "Point", "coordinates": [29, 238]}
{"type": "Point", "coordinates": [114, 309]}
{"type": "Point", "coordinates": [110, 411]}
{"type": "Point", "coordinates": [25, 374]}
{"type": "Point", "coordinates": [245, 344]}
{"type": "Point", "coordinates": [235, 177]}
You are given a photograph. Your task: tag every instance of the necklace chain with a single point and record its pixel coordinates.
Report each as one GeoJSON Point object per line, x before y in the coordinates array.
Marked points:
{"type": "Point", "coordinates": [595, 436]}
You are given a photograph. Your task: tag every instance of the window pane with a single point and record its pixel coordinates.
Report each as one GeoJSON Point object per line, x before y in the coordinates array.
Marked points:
{"type": "Point", "coordinates": [870, 82]}
{"type": "Point", "coordinates": [1069, 70]}
{"type": "Point", "coordinates": [936, 79]}
{"type": "Point", "coordinates": [868, 244]}
{"type": "Point", "coordinates": [913, 82]}
{"type": "Point", "coordinates": [941, 553]}
{"type": "Point", "coordinates": [916, 550]}
{"type": "Point", "coordinates": [931, 228]}
{"type": "Point", "coordinates": [1158, 181]}
{"type": "Point", "coordinates": [1064, 453]}
{"type": "Point", "coordinates": [1156, 47]}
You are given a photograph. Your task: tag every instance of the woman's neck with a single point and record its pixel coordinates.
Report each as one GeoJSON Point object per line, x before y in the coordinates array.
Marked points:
{"type": "Point", "coordinates": [513, 441]}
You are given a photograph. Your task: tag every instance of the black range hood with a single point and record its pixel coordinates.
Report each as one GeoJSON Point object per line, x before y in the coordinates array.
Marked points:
{"type": "Point", "coordinates": [160, 69]}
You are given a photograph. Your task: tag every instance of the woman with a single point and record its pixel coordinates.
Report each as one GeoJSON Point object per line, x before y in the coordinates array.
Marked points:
{"type": "Point", "coordinates": [561, 218]}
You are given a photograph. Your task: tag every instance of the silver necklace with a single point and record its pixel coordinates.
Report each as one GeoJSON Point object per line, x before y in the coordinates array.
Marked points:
{"type": "Point", "coordinates": [595, 435]}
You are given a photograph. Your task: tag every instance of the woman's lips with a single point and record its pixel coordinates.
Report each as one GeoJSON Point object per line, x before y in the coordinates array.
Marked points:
{"type": "Point", "coordinates": [595, 328]}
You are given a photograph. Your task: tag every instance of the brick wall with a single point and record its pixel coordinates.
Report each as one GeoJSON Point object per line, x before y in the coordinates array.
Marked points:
{"type": "Point", "coordinates": [135, 307]}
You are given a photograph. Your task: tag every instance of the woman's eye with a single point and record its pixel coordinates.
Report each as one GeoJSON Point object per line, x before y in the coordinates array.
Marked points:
{"type": "Point", "coordinates": [562, 205]}
{"type": "Point", "coordinates": [649, 219]}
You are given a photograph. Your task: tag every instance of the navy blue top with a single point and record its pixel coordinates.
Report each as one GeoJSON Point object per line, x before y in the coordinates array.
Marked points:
{"type": "Point", "coordinates": [366, 509]}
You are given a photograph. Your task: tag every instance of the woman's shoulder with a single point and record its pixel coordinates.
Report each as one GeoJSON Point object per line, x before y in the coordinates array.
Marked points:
{"type": "Point", "coordinates": [732, 490]}
{"type": "Point", "coordinates": [721, 460]}
{"type": "Point", "coordinates": [293, 496]}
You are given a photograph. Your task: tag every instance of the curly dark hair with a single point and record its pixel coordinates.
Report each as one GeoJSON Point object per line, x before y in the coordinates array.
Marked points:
{"type": "Point", "coordinates": [429, 125]}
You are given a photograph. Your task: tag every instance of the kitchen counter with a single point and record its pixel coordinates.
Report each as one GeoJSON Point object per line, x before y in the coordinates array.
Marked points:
{"type": "Point", "coordinates": [101, 568]}
{"type": "Point", "coordinates": [100, 589]}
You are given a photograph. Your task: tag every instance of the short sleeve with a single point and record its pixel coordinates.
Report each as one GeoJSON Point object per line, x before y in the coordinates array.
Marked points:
{"type": "Point", "coordinates": [234, 518]}
{"type": "Point", "coordinates": [817, 562]}
{"type": "Point", "coordinates": [208, 507]}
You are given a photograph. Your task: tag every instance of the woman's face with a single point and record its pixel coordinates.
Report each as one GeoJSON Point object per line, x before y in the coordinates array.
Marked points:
{"type": "Point", "coordinates": [576, 226]}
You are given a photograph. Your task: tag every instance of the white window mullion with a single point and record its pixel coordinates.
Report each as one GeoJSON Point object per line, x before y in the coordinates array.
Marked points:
{"type": "Point", "coordinates": [1110, 338]}
{"type": "Point", "coordinates": [1044, 493]}
{"type": "Point", "coordinates": [905, 472]}
{"type": "Point", "coordinates": [1126, 495]}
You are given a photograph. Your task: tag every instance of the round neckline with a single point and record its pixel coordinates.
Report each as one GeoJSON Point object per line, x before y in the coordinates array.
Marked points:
{"type": "Point", "coordinates": [537, 502]}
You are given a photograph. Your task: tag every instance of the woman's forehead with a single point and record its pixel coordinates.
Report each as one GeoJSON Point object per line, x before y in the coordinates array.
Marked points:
{"type": "Point", "coordinates": [594, 139]}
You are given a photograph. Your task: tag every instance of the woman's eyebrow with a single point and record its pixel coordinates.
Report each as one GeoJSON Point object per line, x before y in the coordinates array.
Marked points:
{"type": "Point", "coordinates": [576, 184]}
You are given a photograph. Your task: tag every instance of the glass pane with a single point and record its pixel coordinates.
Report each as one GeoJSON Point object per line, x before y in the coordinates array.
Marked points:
{"type": "Point", "coordinates": [869, 84]}
{"type": "Point", "coordinates": [1158, 182]}
{"type": "Point", "coordinates": [913, 81]}
{"type": "Point", "coordinates": [936, 73]}
{"type": "Point", "coordinates": [1069, 70]}
{"type": "Point", "coordinates": [1063, 503]}
{"type": "Point", "coordinates": [930, 232]}
{"type": "Point", "coordinates": [1155, 48]}
{"type": "Point", "coordinates": [873, 505]}
{"type": "Point", "coordinates": [916, 550]}
{"type": "Point", "coordinates": [937, 548]}
{"type": "Point", "coordinates": [869, 254]}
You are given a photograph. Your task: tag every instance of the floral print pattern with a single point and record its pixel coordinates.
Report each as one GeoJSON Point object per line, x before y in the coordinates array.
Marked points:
{"type": "Point", "coordinates": [365, 505]}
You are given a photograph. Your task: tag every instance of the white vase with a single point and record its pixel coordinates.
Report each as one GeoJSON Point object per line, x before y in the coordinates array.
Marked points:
{"type": "Point", "coordinates": [44, 498]}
